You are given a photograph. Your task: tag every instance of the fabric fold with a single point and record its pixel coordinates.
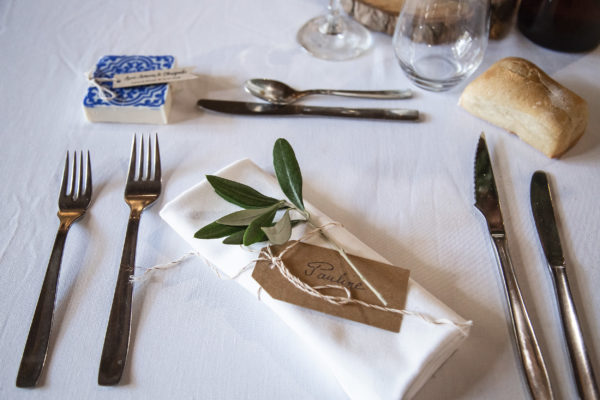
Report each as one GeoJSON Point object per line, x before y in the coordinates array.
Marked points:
{"type": "Point", "coordinates": [368, 362]}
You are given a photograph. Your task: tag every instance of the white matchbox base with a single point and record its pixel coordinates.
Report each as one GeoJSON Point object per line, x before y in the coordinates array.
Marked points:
{"type": "Point", "coordinates": [131, 114]}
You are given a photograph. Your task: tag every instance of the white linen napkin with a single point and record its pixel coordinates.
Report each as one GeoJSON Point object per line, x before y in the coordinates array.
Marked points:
{"type": "Point", "coordinates": [369, 363]}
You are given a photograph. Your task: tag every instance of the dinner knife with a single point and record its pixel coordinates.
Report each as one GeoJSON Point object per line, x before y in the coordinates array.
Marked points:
{"type": "Point", "coordinates": [487, 202]}
{"type": "Point", "coordinates": [545, 222]}
{"type": "Point", "coordinates": [246, 108]}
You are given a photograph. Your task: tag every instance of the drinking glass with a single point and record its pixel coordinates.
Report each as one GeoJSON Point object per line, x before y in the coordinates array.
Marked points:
{"type": "Point", "coordinates": [438, 43]}
{"type": "Point", "coordinates": [334, 36]}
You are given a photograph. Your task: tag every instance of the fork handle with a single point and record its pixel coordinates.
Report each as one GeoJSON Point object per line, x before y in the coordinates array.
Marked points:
{"type": "Point", "coordinates": [36, 346]}
{"type": "Point", "coordinates": [116, 341]}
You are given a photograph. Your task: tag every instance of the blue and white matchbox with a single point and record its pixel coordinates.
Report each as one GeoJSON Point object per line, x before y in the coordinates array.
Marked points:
{"type": "Point", "coordinates": [139, 104]}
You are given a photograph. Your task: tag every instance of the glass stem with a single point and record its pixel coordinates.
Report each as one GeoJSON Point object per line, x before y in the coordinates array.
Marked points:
{"type": "Point", "coordinates": [334, 24]}
{"type": "Point", "coordinates": [334, 7]}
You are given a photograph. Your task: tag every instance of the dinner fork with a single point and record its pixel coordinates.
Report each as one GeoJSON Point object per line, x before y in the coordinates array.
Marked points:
{"type": "Point", "coordinates": [73, 201]}
{"type": "Point", "coordinates": [141, 190]}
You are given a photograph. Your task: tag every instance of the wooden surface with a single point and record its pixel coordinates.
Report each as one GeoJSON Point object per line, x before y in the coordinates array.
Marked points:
{"type": "Point", "coordinates": [380, 15]}
{"type": "Point", "coordinates": [377, 15]}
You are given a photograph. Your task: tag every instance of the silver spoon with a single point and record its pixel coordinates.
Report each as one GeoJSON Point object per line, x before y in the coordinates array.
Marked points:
{"type": "Point", "coordinates": [279, 93]}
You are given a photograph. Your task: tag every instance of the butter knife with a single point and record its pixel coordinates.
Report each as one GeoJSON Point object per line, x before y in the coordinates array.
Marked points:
{"type": "Point", "coordinates": [487, 202]}
{"type": "Point", "coordinates": [246, 108]}
{"type": "Point", "coordinates": [545, 222]}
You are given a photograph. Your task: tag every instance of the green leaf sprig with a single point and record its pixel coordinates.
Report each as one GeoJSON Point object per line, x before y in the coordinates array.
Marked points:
{"type": "Point", "coordinates": [256, 222]}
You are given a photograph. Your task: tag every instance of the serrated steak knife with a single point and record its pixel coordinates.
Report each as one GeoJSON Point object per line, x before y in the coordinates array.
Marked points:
{"type": "Point", "coordinates": [486, 201]}
{"type": "Point", "coordinates": [545, 222]}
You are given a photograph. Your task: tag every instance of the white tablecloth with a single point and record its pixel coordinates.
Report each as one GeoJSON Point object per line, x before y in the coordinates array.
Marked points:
{"type": "Point", "coordinates": [404, 189]}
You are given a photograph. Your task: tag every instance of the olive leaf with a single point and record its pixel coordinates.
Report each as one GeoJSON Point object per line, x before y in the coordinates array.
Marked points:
{"type": "Point", "coordinates": [236, 238]}
{"type": "Point", "coordinates": [245, 217]}
{"type": "Point", "coordinates": [281, 231]}
{"type": "Point", "coordinates": [288, 172]}
{"type": "Point", "coordinates": [215, 230]}
{"type": "Point", "coordinates": [255, 223]}
{"type": "Point", "coordinates": [254, 232]}
{"type": "Point", "coordinates": [239, 194]}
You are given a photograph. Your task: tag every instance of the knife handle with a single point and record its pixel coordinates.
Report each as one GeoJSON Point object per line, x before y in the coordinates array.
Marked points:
{"type": "Point", "coordinates": [582, 367]}
{"type": "Point", "coordinates": [529, 350]}
{"type": "Point", "coordinates": [371, 113]}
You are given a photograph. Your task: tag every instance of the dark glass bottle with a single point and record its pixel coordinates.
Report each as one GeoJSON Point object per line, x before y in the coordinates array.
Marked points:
{"type": "Point", "coordinates": [563, 25]}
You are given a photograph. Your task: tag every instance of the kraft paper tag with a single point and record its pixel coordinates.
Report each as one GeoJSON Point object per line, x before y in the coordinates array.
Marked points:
{"type": "Point", "coordinates": [319, 266]}
{"type": "Point", "coordinates": [152, 77]}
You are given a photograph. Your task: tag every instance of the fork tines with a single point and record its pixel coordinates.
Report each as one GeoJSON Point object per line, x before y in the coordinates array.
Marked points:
{"type": "Point", "coordinates": [82, 191]}
{"type": "Point", "coordinates": [144, 171]}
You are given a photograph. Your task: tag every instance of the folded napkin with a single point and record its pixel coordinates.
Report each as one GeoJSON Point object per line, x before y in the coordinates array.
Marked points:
{"type": "Point", "coordinates": [369, 363]}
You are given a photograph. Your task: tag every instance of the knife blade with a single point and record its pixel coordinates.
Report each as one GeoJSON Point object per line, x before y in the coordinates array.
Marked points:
{"type": "Point", "coordinates": [545, 222]}
{"type": "Point", "coordinates": [248, 108]}
{"type": "Point", "coordinates": [488, 203]}
{"type": "Point", "coordinates": [543, 214]}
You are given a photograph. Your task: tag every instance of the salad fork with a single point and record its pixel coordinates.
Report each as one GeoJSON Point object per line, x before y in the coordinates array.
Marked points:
{"type": "Point", "coordinates": [141, 190]}
{"type": "Point", "coordinates": [73, 201]}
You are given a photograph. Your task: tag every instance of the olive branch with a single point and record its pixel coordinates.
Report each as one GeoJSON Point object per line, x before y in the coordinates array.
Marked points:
{"type": "Point", "coordinates": [255, 223]}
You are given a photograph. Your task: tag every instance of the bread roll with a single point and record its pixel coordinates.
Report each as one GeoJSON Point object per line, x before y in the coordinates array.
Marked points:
{"type": "Point", "coordinates": [518, 96]}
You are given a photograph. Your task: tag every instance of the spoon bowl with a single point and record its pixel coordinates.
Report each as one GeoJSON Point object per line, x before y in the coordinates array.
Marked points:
{"type": "Point", "coordinates": [276, 92]}
{"type": "Point", "coordinates": [273, 91]}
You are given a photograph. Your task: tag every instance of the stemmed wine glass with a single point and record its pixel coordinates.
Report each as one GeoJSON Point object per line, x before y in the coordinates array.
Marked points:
{"type": "Point", "coordinates": [334, 36]}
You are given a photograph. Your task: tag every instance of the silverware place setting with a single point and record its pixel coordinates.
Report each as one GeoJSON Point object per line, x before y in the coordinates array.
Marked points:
{"type": "Point", "coordinates": [487, 202]}
{"type": "Point", "coordinates": [279, 93]}
{"type": "Point", "coordinates": [142, 188]}
{"type": "Point", "coordinates": [249, 108]}
{"type": "Point", "coordinates": [74, 199]}
{"type": "Point", "coordinates": [280, 97]}
{"type": "Point", "coordinates": [545, 222]}
{"type": "Point", "coordinates": [533, 364]}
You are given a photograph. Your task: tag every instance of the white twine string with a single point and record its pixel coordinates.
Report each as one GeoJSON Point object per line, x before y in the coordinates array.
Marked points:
{"type": "Point", "coordinates": [105, 93]}
{"type": "Point", "coordinates": [149, 271]}
{"type": "Point", "coordinates": [266, 254]}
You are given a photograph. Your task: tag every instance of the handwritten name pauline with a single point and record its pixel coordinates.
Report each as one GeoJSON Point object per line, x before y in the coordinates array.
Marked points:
{"type": "Point", "coordinates": [325, 271]}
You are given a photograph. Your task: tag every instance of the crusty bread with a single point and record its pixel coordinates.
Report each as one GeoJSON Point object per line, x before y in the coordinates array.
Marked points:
{"type": "Point", "coordinates": [518, 96]}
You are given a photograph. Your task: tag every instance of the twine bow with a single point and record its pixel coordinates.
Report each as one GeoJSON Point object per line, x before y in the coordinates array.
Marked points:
{"type": "Point", "coordinates": [104, 92]}
{"type": "Point", "coordinates": [278, 263]}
